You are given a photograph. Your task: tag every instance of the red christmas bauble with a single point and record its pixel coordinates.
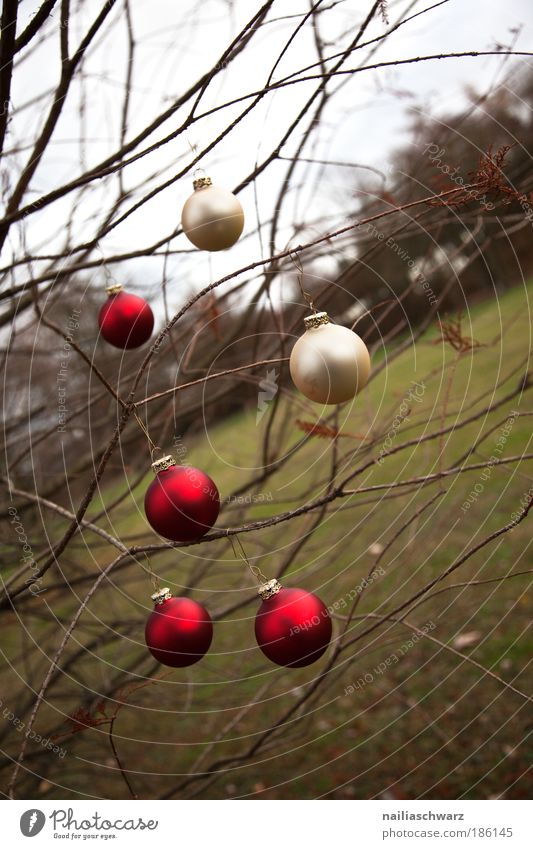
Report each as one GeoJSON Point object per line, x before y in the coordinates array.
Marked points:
{"type": "Point", "coordinates": [293, 627]}
{"type": "Point", "coordinates": [126, 321]}
{"type": "Point", "coordinates": [178, 631]}
{"type": "Point", "coordinates": [182, 503]}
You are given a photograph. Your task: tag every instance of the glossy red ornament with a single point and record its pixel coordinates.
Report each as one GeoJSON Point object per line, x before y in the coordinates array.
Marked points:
{"type": "Point", "coordinates": [182, 503]}
{"type": "Point", "coordinates": [125, 320]}
{"type": "Point", "coordinates": [178, 631]}
{"type": "Point", "coordinates": [292, 626]}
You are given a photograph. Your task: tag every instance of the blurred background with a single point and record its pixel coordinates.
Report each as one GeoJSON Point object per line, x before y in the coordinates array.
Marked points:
{"type": "Point", "coordinates": [382, 155]}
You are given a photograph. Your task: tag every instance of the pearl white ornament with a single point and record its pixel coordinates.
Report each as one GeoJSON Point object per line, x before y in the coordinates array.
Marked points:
{"type": "Point", "coordinates": [212, 218]}
{"type": "Point", "coordinates": [329, 364]}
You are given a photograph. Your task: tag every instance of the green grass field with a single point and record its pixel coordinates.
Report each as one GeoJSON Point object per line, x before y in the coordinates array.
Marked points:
{"type": "Point", "coordinates": [433, 724]}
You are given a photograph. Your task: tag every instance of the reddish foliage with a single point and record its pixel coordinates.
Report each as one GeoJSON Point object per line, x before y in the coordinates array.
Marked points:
{"type": "Point", "coordinates": [324, 431]}
{"type": "Point", "coordinates": [487, 183]}
{"type": "Point", "coordinates": [451, 332]}
{"type": "Point", "coordinates": [82, 718]}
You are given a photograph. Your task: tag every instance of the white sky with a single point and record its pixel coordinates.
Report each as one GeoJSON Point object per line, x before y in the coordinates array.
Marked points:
{"type": "Point", "coordinates": [176, 43]}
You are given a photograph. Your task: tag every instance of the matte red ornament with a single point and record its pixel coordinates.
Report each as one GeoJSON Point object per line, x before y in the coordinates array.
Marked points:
{"type": "Point", "coordinates": [292, 626]}
{"type": "Point", "coordinates": [178, 631]}
{"type": "Point", "coordinates": [126, 321]}
{"type": "Point", "coordinates": [182, 503]}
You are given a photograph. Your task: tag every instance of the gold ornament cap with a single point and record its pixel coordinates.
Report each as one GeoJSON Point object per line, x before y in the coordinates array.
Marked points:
{"type": "Point", "coordinates": [161, 595]}
{"type": "Point", "coordinates": [201, 183]}
{"type": "Point", "coordinates": [163, 464]}
{"type": "Point", "coordinates": [113, 289]}
{"type": "Point", "coordinates": [269, 589]}
{"type": "Point", "coordinates": [316, 320]}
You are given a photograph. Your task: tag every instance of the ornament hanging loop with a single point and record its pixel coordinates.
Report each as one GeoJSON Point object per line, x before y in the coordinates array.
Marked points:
{"type": "Point", "coordinates": [300, 276]}
{"type": "Point", "coordinates": [153, 448]}
{"type": "Point", "coordinates": [259, 576]}
{"type": "Point", "coordinates": [156, 586]}
{"type": "Point", "coordinates": [111, 285]}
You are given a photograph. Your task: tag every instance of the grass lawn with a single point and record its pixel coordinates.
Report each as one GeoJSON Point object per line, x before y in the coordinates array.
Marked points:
{"type": "Point", "coordinates": [432, 725]}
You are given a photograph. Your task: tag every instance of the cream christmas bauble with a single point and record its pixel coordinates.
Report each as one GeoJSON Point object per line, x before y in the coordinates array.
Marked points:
{"type": "Point", "coordinates": [329, 364]}
{"type": "Point", "coordinates": [212, 218]}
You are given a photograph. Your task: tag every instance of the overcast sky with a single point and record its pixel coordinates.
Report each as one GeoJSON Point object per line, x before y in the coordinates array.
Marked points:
{"type": "Point", "coordinates": [177, 41]}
